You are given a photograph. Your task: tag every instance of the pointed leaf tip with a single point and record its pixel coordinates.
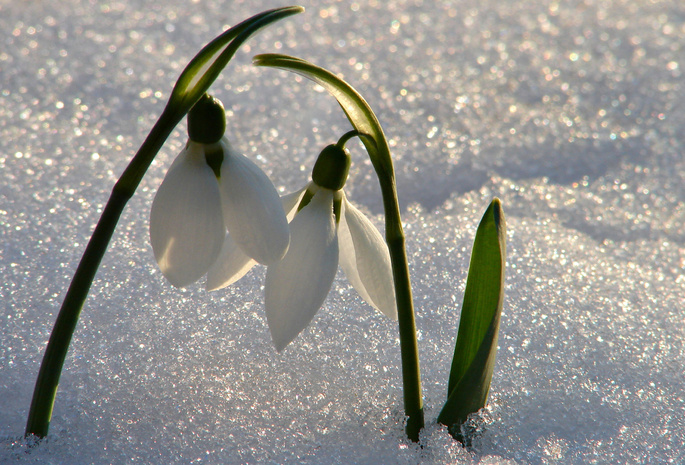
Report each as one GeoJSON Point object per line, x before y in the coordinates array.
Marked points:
{"type": "Point", "coordinates": [500, 223]}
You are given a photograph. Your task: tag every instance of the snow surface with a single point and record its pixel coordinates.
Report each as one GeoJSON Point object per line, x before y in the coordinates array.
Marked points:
{"type": "Point", "coordinates": [570, 111]}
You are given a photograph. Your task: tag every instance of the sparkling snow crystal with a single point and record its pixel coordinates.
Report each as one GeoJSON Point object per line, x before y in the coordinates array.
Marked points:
{"type": "Point", "coordinates": [571, 112]}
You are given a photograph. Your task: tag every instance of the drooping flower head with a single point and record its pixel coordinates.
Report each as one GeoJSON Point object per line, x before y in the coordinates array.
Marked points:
{"type": "Point", "coordinates": [211, 189]}
{"type": "Point", "coordinates": [326, 230]}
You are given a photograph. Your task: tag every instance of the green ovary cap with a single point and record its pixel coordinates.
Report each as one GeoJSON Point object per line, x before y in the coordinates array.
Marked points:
{"type": "Point", "coordinates": [207, 120]}
{"type": "Point", "coordinates": [331, 168]}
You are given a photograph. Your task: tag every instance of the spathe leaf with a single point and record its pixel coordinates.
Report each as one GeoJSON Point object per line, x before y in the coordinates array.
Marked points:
{"type": "Point", "coordinates": [206, 66]}
{"type": "Point", "coordinates": [476, 346]}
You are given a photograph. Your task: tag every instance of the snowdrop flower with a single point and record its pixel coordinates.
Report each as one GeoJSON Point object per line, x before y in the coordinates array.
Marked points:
{"type": "Point", "coordinates": [326, 230]}
{"type": "Point", "coordinates": [209, 189]}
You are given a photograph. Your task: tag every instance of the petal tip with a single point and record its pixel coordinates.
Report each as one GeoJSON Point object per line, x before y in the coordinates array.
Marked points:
{"type": "Point", "coordinates": [281, 338]}
{"type": "Point", "coordinates": [279, 347]}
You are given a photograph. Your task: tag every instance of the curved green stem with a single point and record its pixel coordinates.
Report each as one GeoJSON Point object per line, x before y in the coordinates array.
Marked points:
{"type": "Point", "coordinates": [344, 139]}
{"type": "Point", "coordinates": [365, 122]}
{"type": "Point", "coordinates": [191, 85]}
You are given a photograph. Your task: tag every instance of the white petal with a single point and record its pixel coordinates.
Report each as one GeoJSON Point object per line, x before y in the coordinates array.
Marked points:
{"type": "Point", "coordinates": [186, 223]}
{"type": "Point", "coordinates": [365, 259]}
{"type": "Point", "coordinates": [252, 208]}
{"type": "Point", "coordinates": [297, 285]}
{"type": "Point", "coordinates": [292, 201]}
{"type": "Point", "coordinates": [231, 265]}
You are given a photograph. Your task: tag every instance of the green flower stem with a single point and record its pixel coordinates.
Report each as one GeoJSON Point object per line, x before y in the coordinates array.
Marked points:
{"type": "Point", "coordinates": [411, 373]}
{"type": "Point", "coordinates": [344, 139]}
{"type": "Point", "coordinates": [191, 85]}
{"type": "Point", "coordinates": [364, 120]}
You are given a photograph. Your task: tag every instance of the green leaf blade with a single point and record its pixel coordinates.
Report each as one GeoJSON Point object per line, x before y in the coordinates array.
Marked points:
{"type": "Point", "coordinates": [476, 346]}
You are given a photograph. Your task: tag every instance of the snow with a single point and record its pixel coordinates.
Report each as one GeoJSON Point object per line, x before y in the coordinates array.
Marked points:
{"type": "Point", "coordinates": [568, 111]}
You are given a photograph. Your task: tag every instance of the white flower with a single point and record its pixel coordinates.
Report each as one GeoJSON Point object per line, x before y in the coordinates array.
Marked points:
{"type": "Point", "coordinates": [297, 286]}
{"type": "Point", "coordinates": [326, 231]}
{"type": "Point", "coordinates": [194, 208]}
